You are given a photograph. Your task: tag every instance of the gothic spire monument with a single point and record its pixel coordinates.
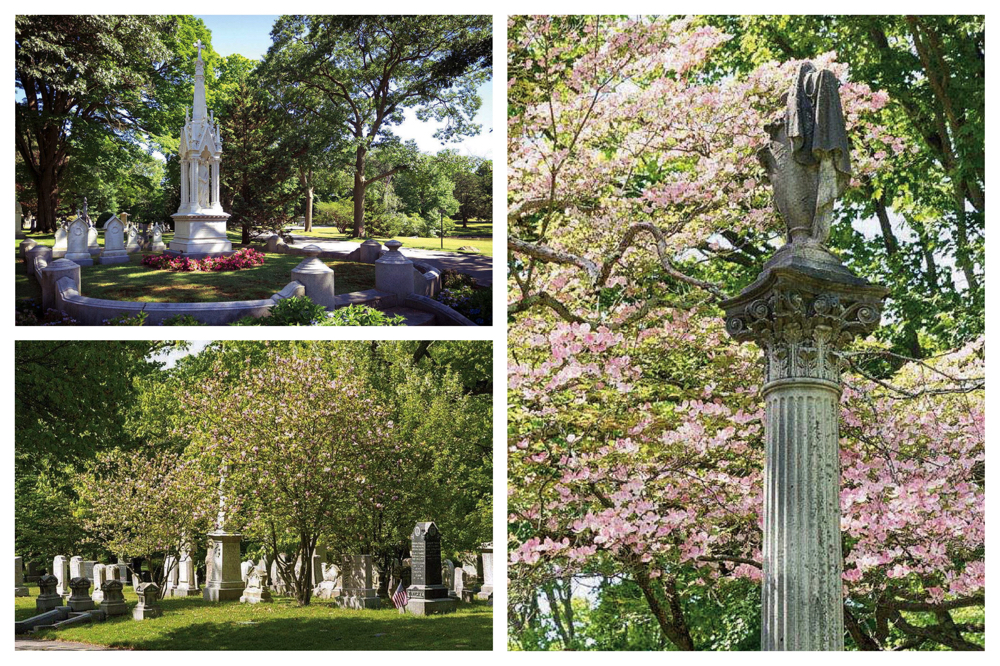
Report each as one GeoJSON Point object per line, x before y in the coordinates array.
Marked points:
{"type": "Point", "coordinates": [200, 223]}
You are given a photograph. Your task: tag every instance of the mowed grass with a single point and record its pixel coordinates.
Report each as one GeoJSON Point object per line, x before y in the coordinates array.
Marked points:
{"type": "Point", "coordinates": [193, 624]}
{"type": "Point", "coordinates": [135, 282]}
{"type": "Point", "coordinates": [483, 244]}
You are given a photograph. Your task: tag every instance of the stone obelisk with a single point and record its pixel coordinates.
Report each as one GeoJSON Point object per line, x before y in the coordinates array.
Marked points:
{"type": "Point", "coordinates": [200, 223]}
{"type": "Point", "coordinates": [802, 310]}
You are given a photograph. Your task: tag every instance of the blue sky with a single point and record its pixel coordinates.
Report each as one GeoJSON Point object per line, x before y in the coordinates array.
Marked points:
{"type": "Point", "coordinates": [250, 36]}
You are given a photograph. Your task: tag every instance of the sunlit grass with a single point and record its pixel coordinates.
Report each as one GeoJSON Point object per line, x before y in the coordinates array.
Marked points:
{"type": "Point", "coordinates": [193, 624]}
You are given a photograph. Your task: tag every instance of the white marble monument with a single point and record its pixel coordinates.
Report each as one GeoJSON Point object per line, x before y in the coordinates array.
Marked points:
{"type": "Point", "coordinates": [200, 223]}
{"type": "Point", "coordinates": [114, 242]}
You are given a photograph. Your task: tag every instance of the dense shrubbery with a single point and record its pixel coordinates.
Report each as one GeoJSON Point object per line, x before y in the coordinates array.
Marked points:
{"type": "Point", "coordinates": [244, 258]}
{"type": "Point", "coordinates": [361, 315]}
{"type": "Point", "coordinates": [461, 294]}
{"type": "Point", "coordinates": [337, 213]}
{"type": "Point", "coordinates": [301, 311]}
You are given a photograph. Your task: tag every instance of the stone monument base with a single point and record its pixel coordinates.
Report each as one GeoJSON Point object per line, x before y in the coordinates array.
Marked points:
{"type": "Point", "coordinates": [79, 259]}
{"type": "Point", "coordinates": [431, 606]}
{"type": "Point", "coordinates": [185, 591]}
{"type": "Point", "coordinates": [200, 236]}
{"type": "Point", "coordinates": [256, 596]}
{"type": "Point", "coordinates": [20, 591]}
{"type": "Point", "coordinates": [147, 613]}
{"type": "Point", "coordinates": [227, 593]}
{"type": "Point", "coordinates": [357, 602]}
{"type": "Point", "coordinates": [114, 258]}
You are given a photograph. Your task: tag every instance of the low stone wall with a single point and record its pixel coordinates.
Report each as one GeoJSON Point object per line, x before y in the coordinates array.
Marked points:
{"type": "Point", "coordinates": [445, 315]}
{"type": "Point", "coordinates": [426, 279]}
{"type": "Point", "coordinates": [94, 311]}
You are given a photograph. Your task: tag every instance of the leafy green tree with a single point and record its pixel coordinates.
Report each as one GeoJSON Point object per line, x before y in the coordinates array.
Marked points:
{"type": "Point", "coordinates": [368, 70]}
{"type": "Point", "coordinates": [426, 188]}
{"type": "Point", "coordinates": [258, 184]}
{"type": "Point", "coordinates": [78, 74]}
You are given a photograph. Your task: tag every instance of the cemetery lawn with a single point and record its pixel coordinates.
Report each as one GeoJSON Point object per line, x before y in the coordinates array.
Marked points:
{"type": "Point", "coordinates": [193, 624]}
{"type": "Point", "coordinates": [451, 244]}
{"type": "Point", "coordinates": [135, 282]}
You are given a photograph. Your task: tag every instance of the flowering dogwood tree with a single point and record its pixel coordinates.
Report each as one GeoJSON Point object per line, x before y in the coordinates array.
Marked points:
{"type": "Point", "coordinates": [636, 431]}
{"type": "Point", "coordinates": [149, 502]}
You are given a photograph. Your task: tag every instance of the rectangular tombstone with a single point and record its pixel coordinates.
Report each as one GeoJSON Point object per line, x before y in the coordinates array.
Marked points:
{"type": "Point", "coordinates": [75, 566]}
{"type": "Point", "coordinates": [358, 588]}
{"type": "Point", "coordinates": [171, 575]}
{"type": "Point", "coordinates": [99, 579]}
{"type": "Point", "coordinates": [427, 595]}
{"type": "Point", "coordinates": [87, 567]}
{"type": "Point", "coordinates": [60, 569]}
{"type": "Point", "coordinates": [20, 590]}
{"type": "Point", "coordinates": [487, 555]}
{"type": "Point", "coordinates": [187, 579]}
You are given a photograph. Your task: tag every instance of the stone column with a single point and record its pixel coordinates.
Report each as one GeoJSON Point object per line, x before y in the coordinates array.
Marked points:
{"type": "Point", "coordinates": [394, 272]}
{"type": "Point", "coordinates": [215, 182]}
{"type": "Point", "coordinates": [184, 181]}
{"type": "Point", "coordinates": [802, 310]}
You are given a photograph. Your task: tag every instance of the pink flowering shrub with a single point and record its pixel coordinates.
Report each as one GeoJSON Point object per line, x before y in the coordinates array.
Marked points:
{"type": "Point", "coordinates": [244, 258]}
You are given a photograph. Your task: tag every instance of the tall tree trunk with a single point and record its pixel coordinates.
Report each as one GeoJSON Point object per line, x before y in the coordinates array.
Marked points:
{"type": "Point", "coordinates": [246, 234]}
{"type": "Point", "coordinates": [359, 194]}
{"type": "Point", "coordinates": [309, 209]}
{"type": "Point", "coordinates": [45, 186]}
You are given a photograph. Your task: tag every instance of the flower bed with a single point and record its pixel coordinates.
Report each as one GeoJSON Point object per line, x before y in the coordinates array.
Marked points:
{"type": "Point", "coordinates": [244, 258]}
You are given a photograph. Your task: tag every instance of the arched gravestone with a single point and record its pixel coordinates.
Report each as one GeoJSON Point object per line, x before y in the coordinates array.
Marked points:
{"type": "Point", "coordinates": [427, 595]}
{"type": "Point", "coordinates": [77, 246]}
{"type": "Point", "coordinates": [114, 242]}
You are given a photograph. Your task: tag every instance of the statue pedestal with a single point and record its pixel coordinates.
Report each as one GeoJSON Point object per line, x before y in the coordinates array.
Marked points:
{"type": "Point", "coordinates": [200, 235]}
{"type": "Point", "coordinates": [226, 583]}
{"type": "Point", "coordinates": [802, 310]}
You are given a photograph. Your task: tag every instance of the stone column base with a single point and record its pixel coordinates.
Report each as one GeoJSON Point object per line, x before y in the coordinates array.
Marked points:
{"type": "Point", "coordinates": [20, 591]}
{"type": "Point", "coordinates": [371, 602]}
{"type": "Point", "coordinates": [222, 594]}
{"type": "Point", "coordinates": [430, 606]}
{"type": "Point", "coordinates": [140, 613]}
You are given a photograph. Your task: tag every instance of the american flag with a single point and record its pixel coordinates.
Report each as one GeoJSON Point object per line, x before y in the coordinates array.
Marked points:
{"type": "Point", "coordinates": [399, 598]}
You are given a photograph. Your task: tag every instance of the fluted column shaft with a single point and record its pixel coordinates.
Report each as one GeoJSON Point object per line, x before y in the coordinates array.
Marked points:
{"type": "Point", "coordinates": [802, 606]}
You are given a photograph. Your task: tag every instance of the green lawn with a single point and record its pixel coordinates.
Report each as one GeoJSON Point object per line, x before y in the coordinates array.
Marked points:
{"type": "Point", "coordinates": [193, 624]}
{"type": "Point", "coordinates": [135, 282]}
{"type": "Point", "coordinates": [483, 241]}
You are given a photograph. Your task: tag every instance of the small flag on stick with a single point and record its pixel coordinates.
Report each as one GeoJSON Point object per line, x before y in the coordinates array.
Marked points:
{"type": "Point", "coordinates": [399, 598]}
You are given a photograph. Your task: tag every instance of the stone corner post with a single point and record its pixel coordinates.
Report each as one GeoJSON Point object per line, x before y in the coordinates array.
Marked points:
{"type": "Point", "coordinates": [803, 309]}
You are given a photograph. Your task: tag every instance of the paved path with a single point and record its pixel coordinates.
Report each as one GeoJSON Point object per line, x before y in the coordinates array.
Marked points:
{"type": "Point", "coordinates": [476, 265]}
{"type": "Point", "coordinates": [36, 644]}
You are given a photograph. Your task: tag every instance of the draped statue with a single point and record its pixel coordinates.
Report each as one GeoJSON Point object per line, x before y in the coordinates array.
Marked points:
{"type": "Point", "coordinates": [808, 157]}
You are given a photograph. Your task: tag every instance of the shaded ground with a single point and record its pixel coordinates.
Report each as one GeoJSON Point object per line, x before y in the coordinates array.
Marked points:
{"type": "Point", "coordinates": [193, 624]}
